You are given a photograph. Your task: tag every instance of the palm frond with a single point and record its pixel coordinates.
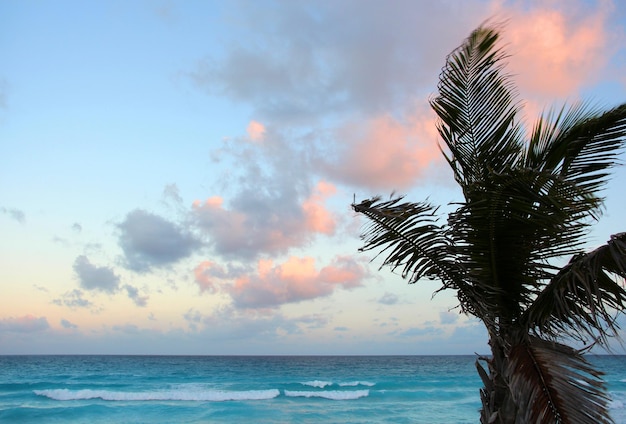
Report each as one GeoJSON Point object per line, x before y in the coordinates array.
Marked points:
{"type": "Point", "coordinates": [410, 233]}
{"type": "Point", "coordinates": [476, 106]}
{"type": "Point", "coordinates": [410, 237]}
{"type": "Point", "coordinates": [583, 297]}
{"type": "Point", "coordinates": [512, 212]}
{"type": "Point", "coordinates": [579, 145]}
{"type": "Point", "coordinates": [553, 383]}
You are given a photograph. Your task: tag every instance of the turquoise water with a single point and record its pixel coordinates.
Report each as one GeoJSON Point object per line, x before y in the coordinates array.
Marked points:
{"type": "Point", "coordinates": [267, 389]}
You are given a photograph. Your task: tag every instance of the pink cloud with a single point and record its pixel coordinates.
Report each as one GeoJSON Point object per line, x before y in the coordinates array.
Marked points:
{"type": "Point", "coordinates": [386, 153]}
{"type": "Point", "coordinates": [295, 280]}
{"type": "Point", "coordinates": [256, 131]}
{"type": "Point", "coordinates": [344, 271]}
{"type": "Point", "coordinates": [255, 225]}
{"type": "Point", "coordinates": [557, 47]}
{"type": "Point", "coordinates": [205, 276]}
{"type": "Point", "coordinates": [319, 219]}
{"type": "Point", "coordinates": [212, 202]}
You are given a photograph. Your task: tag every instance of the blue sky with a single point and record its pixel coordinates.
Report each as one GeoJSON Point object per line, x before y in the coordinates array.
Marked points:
{"type": "Point", "coordinates": [176, 177]}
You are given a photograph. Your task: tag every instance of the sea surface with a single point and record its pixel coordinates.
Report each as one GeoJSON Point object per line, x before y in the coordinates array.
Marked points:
{"type": "Point", "coordinates": [253, 389]}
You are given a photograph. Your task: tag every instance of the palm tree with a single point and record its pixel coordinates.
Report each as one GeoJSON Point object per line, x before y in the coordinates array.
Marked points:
{"type": "Point", "coordinates": [529, 198]}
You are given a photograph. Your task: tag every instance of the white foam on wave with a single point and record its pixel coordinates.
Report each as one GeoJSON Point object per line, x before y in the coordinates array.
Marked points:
{"type": "Point", "coordinates": [318, 383]}
{"type": "Point", "coordinates": [180, 395]}
{"type": "Point", "coordinates": [330, 394]}
{"type": "Point", "coordinates": [357, 383]}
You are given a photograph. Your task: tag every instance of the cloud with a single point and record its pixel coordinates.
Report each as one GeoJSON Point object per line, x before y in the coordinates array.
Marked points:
{"type": "Point", "coordinates": [227, 324]}
{"type": "Point", "coordinates": [93, 277]}
{"type": "Point", "coordinates": [273, 204]}
{"type": "Point", "coordinates": [380, 62]}
{"type": "Point", "coordinates": [24, 324]}
{"type": "Point", "coordinates": [384, 152]}
{"type": "Point", "coordinates": [208, 274]}
{"type": "Point", "coordinates": [422, 331]}
{"type": "Point", "coordinates": [388, 299]}
{"type": "Point", "coordinates": [338, 57]}
{"type": "Point", "coordinates": [130, 329]}
{"type": "Point", "coordinates": [556, 49]}
{"type": "Point", "coordinates": [358, 87]}
{"type": "Point", "coordinates": [172, 193]}
{"type": "Point", "coordinates": [274, 284]}
{"type": "Point", "coordinates": [149, 240]}
{"type": "Point", "coordinates": [470, 333]}
{"type": "Point", "coordinates": [256, 131]}
{"type": "Point", "coordinates": [69, 325]}
{"type": "Point", "coordinates": [133, 294]}
{"type": "Point", "coordinates": [264, 220]}
{"type": "Point", "coordinates": [15, 214]}
{"type": "Point", "coordinates": [448, 317]}
{"type": "Point", "coordinates": [73, 299]}
{"type": "Point", "coordinates": [103, 278]}
{"type": "Point", "coordinates": [193, 318]}
{"type": "Point", "coordinates": [317, 218]}
{"type": "Point", "coordinates": [313, 321]}
{"type": "Point", "coordinates": [295, 280]}
{"type": "Point", "coordinates": [233, 233]}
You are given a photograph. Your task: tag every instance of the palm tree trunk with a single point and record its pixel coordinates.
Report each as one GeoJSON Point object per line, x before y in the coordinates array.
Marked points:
{"type": "Point", "coordinates": [498, 404]}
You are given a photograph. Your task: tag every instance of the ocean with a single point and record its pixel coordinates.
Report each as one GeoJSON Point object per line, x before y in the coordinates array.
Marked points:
{"type": "Point", "coordinates": [258, 389]}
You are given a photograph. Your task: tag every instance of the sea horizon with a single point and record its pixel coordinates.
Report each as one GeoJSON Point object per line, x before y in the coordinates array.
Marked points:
{"type": "Point", "coordinates": [587, 355]}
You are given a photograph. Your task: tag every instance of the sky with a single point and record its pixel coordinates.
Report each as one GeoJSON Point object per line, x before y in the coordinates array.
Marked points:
{"type": "Point", "coordinates": [176, 177]}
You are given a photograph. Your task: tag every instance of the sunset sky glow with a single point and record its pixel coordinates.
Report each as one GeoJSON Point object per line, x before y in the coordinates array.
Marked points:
{"type": "Point", "coordinates": [176, 177]}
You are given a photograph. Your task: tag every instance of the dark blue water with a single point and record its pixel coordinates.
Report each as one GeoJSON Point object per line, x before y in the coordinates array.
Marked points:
{"type": "Point", "coordinates": [269, 389]}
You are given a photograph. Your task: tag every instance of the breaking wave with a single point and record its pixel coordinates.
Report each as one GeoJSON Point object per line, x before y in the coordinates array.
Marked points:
{"type": "Point", "coordinates": [196, 395]}
{"type": "Point", "coordinates": [329, 394]}
{"type": "Point", "coordinates": [180, 395]}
